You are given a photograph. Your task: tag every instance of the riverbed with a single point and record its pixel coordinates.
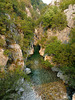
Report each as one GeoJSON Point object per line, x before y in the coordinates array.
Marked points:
{"type": "Point", "coordinates": [44, 84]}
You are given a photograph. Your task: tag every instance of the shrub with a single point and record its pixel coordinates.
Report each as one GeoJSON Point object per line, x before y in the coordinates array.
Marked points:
{"type": "Point", "coordinates": [54, 18]}
{"type": "Point", "coordinates": [65, 3]}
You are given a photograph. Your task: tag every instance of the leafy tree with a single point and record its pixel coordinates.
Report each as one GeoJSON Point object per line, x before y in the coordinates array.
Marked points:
{"type": "Point", "coordinates": [65, 3]}
{"type": "Point", "coordinates": [54, 18]}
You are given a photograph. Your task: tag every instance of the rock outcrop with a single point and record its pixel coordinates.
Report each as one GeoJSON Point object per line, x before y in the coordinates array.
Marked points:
{"type": "Point", "coordinates": [28, 70]}
{"type": "Point", "coordinates": [38, 11]}
{"type": "Point", "coordinates": [41, 51]}
{"type": "Point", "coordinates": [31, 51]}
{"type": "Point", "coordinates": [52, 91]}
{"type": "Point", "coordinates": [73, 97]}
{"type": "Point", "coordinates": [38, 34]}
{"type": "Point", "coordinates": [49, 58]}
{"type": "Point", "coordinates": [3, 58]}
{"type": "Point", "coordinates": [70, 13]}
{"type": "Point", "coordinates": [17, 54]}
{"type": "Point", "coordinates": [63, 38]}
{"type": "Point", "coordinates": [28, 12]}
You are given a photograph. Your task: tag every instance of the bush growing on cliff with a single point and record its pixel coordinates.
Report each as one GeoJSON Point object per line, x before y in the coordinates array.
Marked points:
{"type": "Point", "coordinates": [65, 3]}
{"type": "Point", "coordinates": [9, 82]}
{"type": "Point", "coordinates": [54, 18]}
{"type": "Point", "coordinates": [64, 56]}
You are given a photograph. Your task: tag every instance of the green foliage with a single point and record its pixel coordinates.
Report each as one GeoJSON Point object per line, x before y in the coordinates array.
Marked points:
{"type": "Point", "coordinates": [65, 3]}
{"type": "Point", "coordinates": [2, 42]}
{"type": "Point", "coordinates": [72, 36]}
{"type": "Point", "coordinates": [52, 48]}
{"type": "Point", "coordinates": [38, 4]}
{"type": "Point", "coordinates": [9, 81]}
{"type": "Point", "coordinates": [46, 63]}
{"type": "Point", "coordinates": [54, 18]}
{"type": "Point", "coordinates": [64, 55]}
{"type": "Point", "coordinates": [7, 52]}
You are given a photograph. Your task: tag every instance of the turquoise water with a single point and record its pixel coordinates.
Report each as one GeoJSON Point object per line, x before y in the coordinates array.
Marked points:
{"type": "Point", "coordinates": [45, 84]}
{"type": "Point", "coordinates": [40, 74]}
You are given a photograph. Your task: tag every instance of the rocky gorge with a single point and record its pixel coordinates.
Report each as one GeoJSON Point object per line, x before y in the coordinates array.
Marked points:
{"type": "Point", "coordinates": [22, 52]}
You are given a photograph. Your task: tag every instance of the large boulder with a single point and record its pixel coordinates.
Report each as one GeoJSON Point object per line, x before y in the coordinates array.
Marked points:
{"type": "Point", "coordinates": [28, 70]}
{"type": "Point", "coordinates": [17, 54]}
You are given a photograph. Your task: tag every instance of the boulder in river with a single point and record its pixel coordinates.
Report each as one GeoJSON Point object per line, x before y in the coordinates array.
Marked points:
{"type": "Point", "coordinates": [28, 70]}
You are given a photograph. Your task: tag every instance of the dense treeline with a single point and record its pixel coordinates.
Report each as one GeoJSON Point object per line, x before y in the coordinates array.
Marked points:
{"type": "Point", "coordinates": [53, 17]}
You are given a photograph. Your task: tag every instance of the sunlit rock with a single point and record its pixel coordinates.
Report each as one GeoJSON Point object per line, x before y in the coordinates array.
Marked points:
{"type": "Point", "coordinates": [17, 54]}
{"type": "Point", "coordinates": [28, 12]}
{"type": "Point", "coordinates": [63, 38]}
{"type": "Point", "coordinates": [73, 97]}
{"type": "Point", "coordinates": [49, 58]}
{"type": "Point", "coordinates": [38, 11]}
{"type": "Point", "coordinates": [70, 13]}
{"type": "Point", "coordinates": [28, 70]}
{"type": "Point", "coordinates": [3, 58]}
{"type": "Point", "coordinates": [41, 51]}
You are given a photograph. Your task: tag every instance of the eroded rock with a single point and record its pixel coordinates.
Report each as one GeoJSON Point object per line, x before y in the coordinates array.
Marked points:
{"type": "Point", "coordinates": [28, 70]}
{"type": "Point", "coordinates": [17, 54]}
{"type": "Point", "coordinates": [3, 58]}
{"type": "Point", "coordinates": [41, 51]}
{"type": "Point", "coordinates": [70, 13]}
{"type": "Point", "coordinates": [63, 77]}
{"type": "Point", "coordinates": [31, 51]}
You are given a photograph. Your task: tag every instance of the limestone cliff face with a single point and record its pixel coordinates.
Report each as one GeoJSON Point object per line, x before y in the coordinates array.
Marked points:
{"type": "Point", "coordinates": [17, 54]}
{"type": "Point", "coordinates": [62, 35]}
{"type": "Point", "coordinates": [70, 13]}
{"type": "Point", "coordinates": [3, 58]}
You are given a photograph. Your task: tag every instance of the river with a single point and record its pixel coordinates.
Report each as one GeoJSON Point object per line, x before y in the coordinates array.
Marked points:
{"type": "Point", "coordinates": [44, 84]}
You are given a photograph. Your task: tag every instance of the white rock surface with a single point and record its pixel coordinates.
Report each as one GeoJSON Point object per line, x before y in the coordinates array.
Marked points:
{"type": "Point", "coordinates": [70, 13]}
{"type": "Point", "coordinates": [29, 93]}
{"type": "Point", "coordinates": [28, 70]}
{"type": "Point", "coordinates": [73, 97]}
{"type": "Point", "coordinates": [28, 12]}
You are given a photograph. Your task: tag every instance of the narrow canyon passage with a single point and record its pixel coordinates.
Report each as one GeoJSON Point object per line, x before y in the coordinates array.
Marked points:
{"type": "Point", "coordinates": [46, 85]}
